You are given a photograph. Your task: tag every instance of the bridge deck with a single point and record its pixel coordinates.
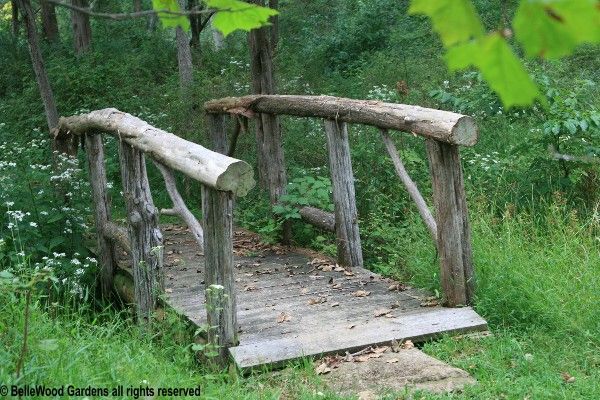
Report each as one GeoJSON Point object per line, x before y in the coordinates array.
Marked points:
{"type": "Point", "coordinates": [294, 302]}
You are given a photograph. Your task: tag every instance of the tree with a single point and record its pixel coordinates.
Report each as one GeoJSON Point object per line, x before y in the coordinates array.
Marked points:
{"type": "Point", "coordinates": [61, 145]}
{"type": "Point", "coordinates": [82, 30]}
{"type": "Point", "coordinates": [271, 166]}
{"type": "Point", "coordinates": [184, 56]}
{"type": "Point", "coordinates": [15, 17]}
{"type": "Point", "coordinates": [49, 21]}
{"type": "Point", "coordinates": [544, 28]}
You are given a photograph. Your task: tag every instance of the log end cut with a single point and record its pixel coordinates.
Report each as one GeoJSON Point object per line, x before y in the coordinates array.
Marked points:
{"type": "Point", "coordinates": [237, 178]}
{"type": "Point", "coordinates": [465, 132]}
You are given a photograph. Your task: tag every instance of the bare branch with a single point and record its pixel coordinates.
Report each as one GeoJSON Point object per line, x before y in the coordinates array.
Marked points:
{"type": "Point", "coordinates": [179, 207]}
{"type": "Point", "coordinates": [130, 15]}
{"type": "Point", "coordinates": [567, 157]}
{"type": "Point", "coordinates": [411, 187]}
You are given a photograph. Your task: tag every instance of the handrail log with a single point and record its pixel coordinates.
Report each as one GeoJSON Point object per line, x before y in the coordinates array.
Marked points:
{"type": "Point", "coordinates": [444, 126]}
{"type": "Point", "coordinates": [210, 168]}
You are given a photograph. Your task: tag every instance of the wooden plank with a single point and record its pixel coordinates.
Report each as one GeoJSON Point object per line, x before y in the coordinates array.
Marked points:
{"type": "Point", "coordinates": [217, 211]}
{"type": "Point", "coordinates": [417, 327]}
{"type": "Point", "coordinates": [344, 199]}
{"type": "Point", "coordinates": [144, 234]}
{"type": "Point", "coordinates": [440, 125]}
{"type": "Point", "coordinates": [106, 251]}
{"type": "Point", "coordinates": [453, 240]}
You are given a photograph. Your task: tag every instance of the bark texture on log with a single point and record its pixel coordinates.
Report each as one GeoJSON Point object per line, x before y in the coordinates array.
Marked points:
{"type": "Point", "coordinates": [217, 211]}
{"type": "Point", "coordinates": [210, 168]}
{"type": "Point", "coordinates": [144, 234]}
{"type": "Point", "coordinates": [441, 125]}
{"type": "Point", "coordinates": [349, 249]}
{"type": "Point", "coordinates": [179, 207]}
{"type": "Point", "coordinates": [49, 21]}
{"type": "Point", "coordinates": [118, 235]}
{"type": "Point", "coordinates": [453, 233]}
{"type": "Point", "coordinates": [82, 30]}
{"type": "Point", "coordinates": [106, 251]}
{"type": "Point", "coordinates": [410, 185]}
{"type": "Point", "coordinates": [319, 218]}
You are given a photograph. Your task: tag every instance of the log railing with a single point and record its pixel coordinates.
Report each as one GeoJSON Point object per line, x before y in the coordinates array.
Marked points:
{"type": "Point", "coordinates": [443, 132]}
{"type": "Point", "coordinates": [222, 177]}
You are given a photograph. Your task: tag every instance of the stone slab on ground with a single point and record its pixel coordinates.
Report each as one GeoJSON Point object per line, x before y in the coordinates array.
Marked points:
{"type": "Point", "coordinates": [403, 371]}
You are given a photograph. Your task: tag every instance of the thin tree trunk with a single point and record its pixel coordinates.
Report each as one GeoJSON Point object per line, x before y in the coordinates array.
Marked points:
{"type": "Point", "coordinates": [195, 24]}
{"type": "Point", "coordinates": [15, 17]}
{"type": "Point", "coordinates": [271, 165]}
{"type": "Point", "coordinates": [62, 145]}
{"type": "Point", "coordinates": [137, 5]}
{"type": "Point", "coordinates": [49, 21]}
{"type": "Point", "coordinates": [274, 30]}
{"type": "Point", "coordinates": [82, 31]}
{"type": "Point", "coordinates": [184, 57]}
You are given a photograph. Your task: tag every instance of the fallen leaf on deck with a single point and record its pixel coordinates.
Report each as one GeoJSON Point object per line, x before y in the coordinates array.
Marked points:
{"type": "Point", "coordinates": [392, 361]}
{"type": "Point", "coordinates": [348, 273]}
{"type": "Point", "coordinates": [168, 290]}
{"type": "Point", "coordinates": [361, 293]}
{"type": "Point", "coordinates": [326, 268]}
{"type": "Point", "coordinates": [283, 317]}
{"type": "Point", "coordinates": [339, 268]}
{"type": "Point", "coordinates": [351, 326]}
{"type": "Point", "coordinates": [407, 345]}
{"type": "Point", "coordinates": [430, 301]}
{"type": "Point", "coordinates": [250, 288]}
{"type": "Point", "coordinates": [335, 304]}
{"type": "Point", "coordinates": [318, 300]}
{"type": "Point", "coordinates": [381, 312]}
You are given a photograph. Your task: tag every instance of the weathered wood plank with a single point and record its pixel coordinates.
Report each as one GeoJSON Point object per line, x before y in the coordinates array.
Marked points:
{"type": "Point", "coordinates": [106, 251]}
{"type": "Point", "coordinates": [144, 234]}
{"type": "Point", "coordinates": [344, 199]}
{"type": "Point", "coordinates": [440, 125]}
{"type": "Point", "coordinates": [453, 240]}
{"type": "Point", "coordinates": [217, 211]}
{"type": "Point", "coordinates": [417, 327]}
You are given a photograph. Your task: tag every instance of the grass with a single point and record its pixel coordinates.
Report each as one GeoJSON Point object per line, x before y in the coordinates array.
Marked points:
{"type": "Point", "coordinates": [537, 287]}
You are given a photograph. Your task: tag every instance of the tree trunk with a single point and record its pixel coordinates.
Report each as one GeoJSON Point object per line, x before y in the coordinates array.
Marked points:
{"type": "Point", "coordinates": [15, 17]}
{"type": "Point", "coordinates": [184, 61]}
{"type": "Point", "coordinates": [195, 23]}
{"type": "Point", "coordinates": [82, 30]}
{"type": "Point", "coordinates": [49, 22]}
{"type": "Point", "coordinates": [274, 29]}
{"type": "Point", "coordinates": [218, 39]}
{"type": "Point", "coordinates": [137, 5]}
{"type": "Point", "coordinates": [67, 145]}
{"type": "Point", "coordinates": [271, 164]}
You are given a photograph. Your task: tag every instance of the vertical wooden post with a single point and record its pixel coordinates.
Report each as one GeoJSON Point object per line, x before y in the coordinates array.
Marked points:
{"type": "Point", "coordinates": [454, 237]}
{"type": "Point", "coordinates": [344, 199]}
{"type": "Point", "coordinates": [106, 251]}
{"type": "Point", "coordinates": [144, 233]}
{"type": "Point", "coordinates": [217, 212]}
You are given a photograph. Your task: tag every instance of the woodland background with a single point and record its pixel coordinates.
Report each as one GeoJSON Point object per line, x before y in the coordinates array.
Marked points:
{"type": "Point", "coordinates": [535, 218]}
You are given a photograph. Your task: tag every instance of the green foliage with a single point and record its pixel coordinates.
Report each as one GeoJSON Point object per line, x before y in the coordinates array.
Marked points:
{"type": "Point", "coordinates": [305, 191]}
{"type": "Point", "coordinates": [545, 28]}
{"type": "Point", "coordinates": [170, 20]}
{"type": "Point", "coordinates": [234, 14]}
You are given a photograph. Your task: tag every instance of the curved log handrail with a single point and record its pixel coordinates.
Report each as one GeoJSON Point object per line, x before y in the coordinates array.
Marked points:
{"type": "Point", "coordinates": [443, 126]}
{"type": "Point", "coordinates": [213, 169]}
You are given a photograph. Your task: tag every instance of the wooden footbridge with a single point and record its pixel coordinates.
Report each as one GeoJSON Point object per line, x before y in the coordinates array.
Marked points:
{"type": "Point", "coordinates": [263, 304]}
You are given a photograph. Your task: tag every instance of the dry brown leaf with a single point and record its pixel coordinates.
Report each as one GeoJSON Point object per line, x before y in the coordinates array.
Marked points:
{"type": "Point", "coordinates": [335, 304]}
{"type": "Point", "coordinates": [250, 288]}
{"type": "Point", "coordinates": [168, 290]}
{"type": "Point", "coordinates": [381, 312]}
{"type": "Point", "coordinates": [339, 268]}
{"type": "Point", "coordinates": [326, 268]}
{"type": "Point", "coordinates": [318, 300]}
{"type": "Point", "coordinates": [348, 273]}
{"type": "Point", "coordinates": [392, 360]}
{"type": "Point", "coordinates": [283, 317]}
{"type": "Point", "coordinates": [361, 293]}
{"type": "Point", "coordinates": [430, 301]}
{"type": "Point", "coordinates": [567, 378]}
{"type": "Point", "coordinates": [407, 345]}
{"type": "Point", "coordinates": [381, 349]}
{"type": "Point", "coordinates": [322, 369]}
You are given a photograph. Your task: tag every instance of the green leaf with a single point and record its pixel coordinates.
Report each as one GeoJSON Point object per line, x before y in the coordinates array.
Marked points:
{"type": "Point", "coordinates": [553, 28]}
{"type": "Point", "coordinates": [48, 344]}
{"type": "Point", "coordinates": [499, 66]}
{"type": "Point", "coordinates": [454, 20]}
{"type": "Point", "coordinates": [234, 14]}
{"type": "Point", "coordinates": [170, 20]}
